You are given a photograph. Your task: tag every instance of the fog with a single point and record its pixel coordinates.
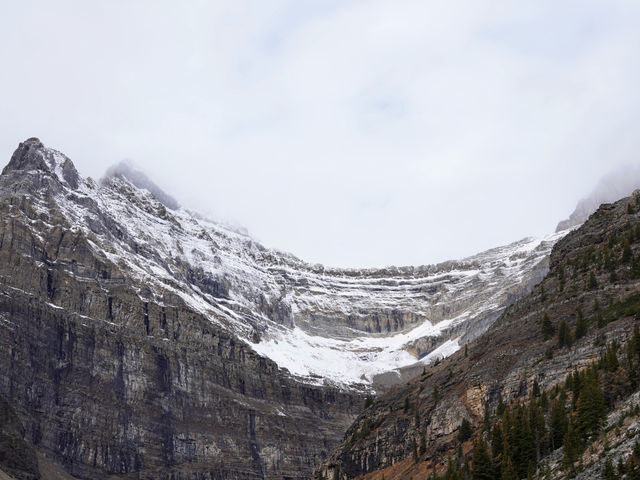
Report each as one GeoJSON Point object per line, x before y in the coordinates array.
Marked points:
{"type": "Point", "coordinates": [351, 133]}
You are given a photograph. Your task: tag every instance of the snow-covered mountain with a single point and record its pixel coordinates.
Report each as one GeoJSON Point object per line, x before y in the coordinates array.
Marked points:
{"type": "Point", "coordinates": [342, 326]}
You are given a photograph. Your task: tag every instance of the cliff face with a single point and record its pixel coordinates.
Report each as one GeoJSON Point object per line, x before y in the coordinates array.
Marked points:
{"type": "Point", "coordinates": [593, 270]}
{"type": "Point", "coordinates": [107, 377]}
{"type": "Point", "coordinates": [143, 341]}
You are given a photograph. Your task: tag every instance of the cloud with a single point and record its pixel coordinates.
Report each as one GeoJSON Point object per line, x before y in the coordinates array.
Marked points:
{"type": "Point", "coordinates": [350, 133]}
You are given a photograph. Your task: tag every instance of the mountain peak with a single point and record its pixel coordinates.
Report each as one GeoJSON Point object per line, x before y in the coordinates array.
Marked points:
{"type": "Point", "coordinates": [33, 155]}
{"type": "Point", "coordinates": [138, 178]}
{"type": "Point", "coordinates": [27, 157]}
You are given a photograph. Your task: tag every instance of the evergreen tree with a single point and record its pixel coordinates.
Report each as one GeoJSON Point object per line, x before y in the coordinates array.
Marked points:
{"type": "Point", "coordinates": [451, 472]}
{"type": "Point", "coordinates": [592, 407]}
{"type": "Point", "coordinates": [464, 433]}
{"type": "Point", "coordinates": [538, 430]}
{"type": "Point", "coordinates": [559, 422]}
{"type": "Point", "coordinates": [368, 401]}
{"type": "Point", "coordinates": [581, 325]}
{"type": "Point", "coordinates": [486, 420]}
{"type": "Point", "coordinates": [610, 361]}
{"type": "Point", "coordinates": [482, 468]}
{"type": "Point", "coordinates": [593, 282]}
{"type": "Point", "coordinates": [626, 252]}
{"type": "Point", "coordinates": [508, 470]}
{"type": "Point", "coordinates": [572, 447]}
{"type": "Point", "coordinates": [414, 449]}
{"type": "Point", "coordinates": [621, 467]}
{"type": "Point", "coordinates": [501, 407]}
{"type": "Point", "coordinates": [535, 390]}
{"type": "Point", "coordinates": [547, 327]}
{"type": "Point", "coordinates": [608, 472]}
{"type": "Point", "coordinates": [365, 430]}
{"type": "Point", "coordinates": [497, 441]}
{"type": "Point", "coordinates": [564, 335]}
{"type": "Point", "coordinates": [561, 278]}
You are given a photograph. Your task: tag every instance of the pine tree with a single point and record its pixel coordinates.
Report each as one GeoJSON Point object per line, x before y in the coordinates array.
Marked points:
{"type": "Point", "coordinates": [572, 446]}
{"type": "Point", "coordinates": [626, 252]}
{"type": "Point", "coordinates": [414, 449]}
{"type": "Point", "coordinates": [497, 441]}
{"type": "Point", "coordinates": [581, 325]}
{"type": "Point", "coordinates": [522, 440]}
{"type": "Point", "coordinates": [564, 334]}
{"type": "Point", "coordinates": [593, 283]}
{"type": "Point", "coordinates": [464, 433]}
{"type": "Point", "coordinates": [608, 472]}
{"type": "Point", "coordinates": [592, 407]}
{"type": "Point", "coordinates": [501, 407]}
{"type": "Point", "coordinates": [451, 473]}
{"type": "Point", "coordinates": [535, 389]}
{"type": "Point", "coordinates": [559, 422]}
{"type": "Point", "coordinates": [508, 470]}
{"type": "Point", "coordinates": [365, 430]}
{"type": "Point", "coordinates": [610, 360]}
{"type": "Point", "coordinates": [547, 327]}
{"type": "Point", "coordinates": [482, 468]}
{"type": "Point", "coordinates": [561, 278]}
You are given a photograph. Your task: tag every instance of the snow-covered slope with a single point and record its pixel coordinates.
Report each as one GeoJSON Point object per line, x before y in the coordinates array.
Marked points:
{"type": "Point", "coordinates": [323, 324]}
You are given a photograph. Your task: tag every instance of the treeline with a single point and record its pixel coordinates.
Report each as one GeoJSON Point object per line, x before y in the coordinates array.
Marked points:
{"type": "Point", "coordinates": [514, 442]}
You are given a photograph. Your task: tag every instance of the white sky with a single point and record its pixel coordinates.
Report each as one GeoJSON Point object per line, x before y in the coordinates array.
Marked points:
{"type": "Point", "coordinates": [352, 133]}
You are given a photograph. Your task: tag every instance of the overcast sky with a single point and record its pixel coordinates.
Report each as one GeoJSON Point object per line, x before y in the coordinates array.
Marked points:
{"type": "Point", "coordinates": [351, 133]}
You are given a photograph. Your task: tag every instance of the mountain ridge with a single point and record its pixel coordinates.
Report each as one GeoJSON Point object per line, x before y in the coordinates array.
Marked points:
{"type": "Point", "coordinates": [274, 300]}
{"type": "Point", "coordinates": [159, 344]}
{"type": "Point", "coordinates": [590, 294]}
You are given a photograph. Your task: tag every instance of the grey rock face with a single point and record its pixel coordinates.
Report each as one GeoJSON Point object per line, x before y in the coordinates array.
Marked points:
{"type": "Point", "coordinates": [108, 378]}
{"type": "Point", "coordinates": [135, 334]}
{"type": "Point", "coordinates": [28, 156]}
{"type": "Point", "coordinates": [32, 155]}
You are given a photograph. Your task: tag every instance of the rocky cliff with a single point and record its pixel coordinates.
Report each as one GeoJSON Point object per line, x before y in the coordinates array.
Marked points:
{"type": "Point", "coordinates": [108, 376]}
{"type": "Point", "coordinates": [592, 295]}
{"type": "Point", "coordinates": [143, 341]}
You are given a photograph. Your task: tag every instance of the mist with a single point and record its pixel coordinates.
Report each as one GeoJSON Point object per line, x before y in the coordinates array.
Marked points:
{"type": "Point", "coordinates": [348, 133]}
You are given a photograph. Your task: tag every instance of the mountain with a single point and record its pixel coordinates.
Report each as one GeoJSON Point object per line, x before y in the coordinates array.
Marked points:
{"type": "Point", "coordinates": [550, 390]}
{"type": "Point", "coordinates": [142, 340]}
{"type": "Point", "coordinates": [612, 187]}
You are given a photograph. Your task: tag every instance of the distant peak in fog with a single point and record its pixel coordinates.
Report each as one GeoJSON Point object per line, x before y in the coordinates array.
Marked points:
{"type": "Point", "coordinates": [610, 188]}
{"type": "Point", "coordinates": [127, 170]}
